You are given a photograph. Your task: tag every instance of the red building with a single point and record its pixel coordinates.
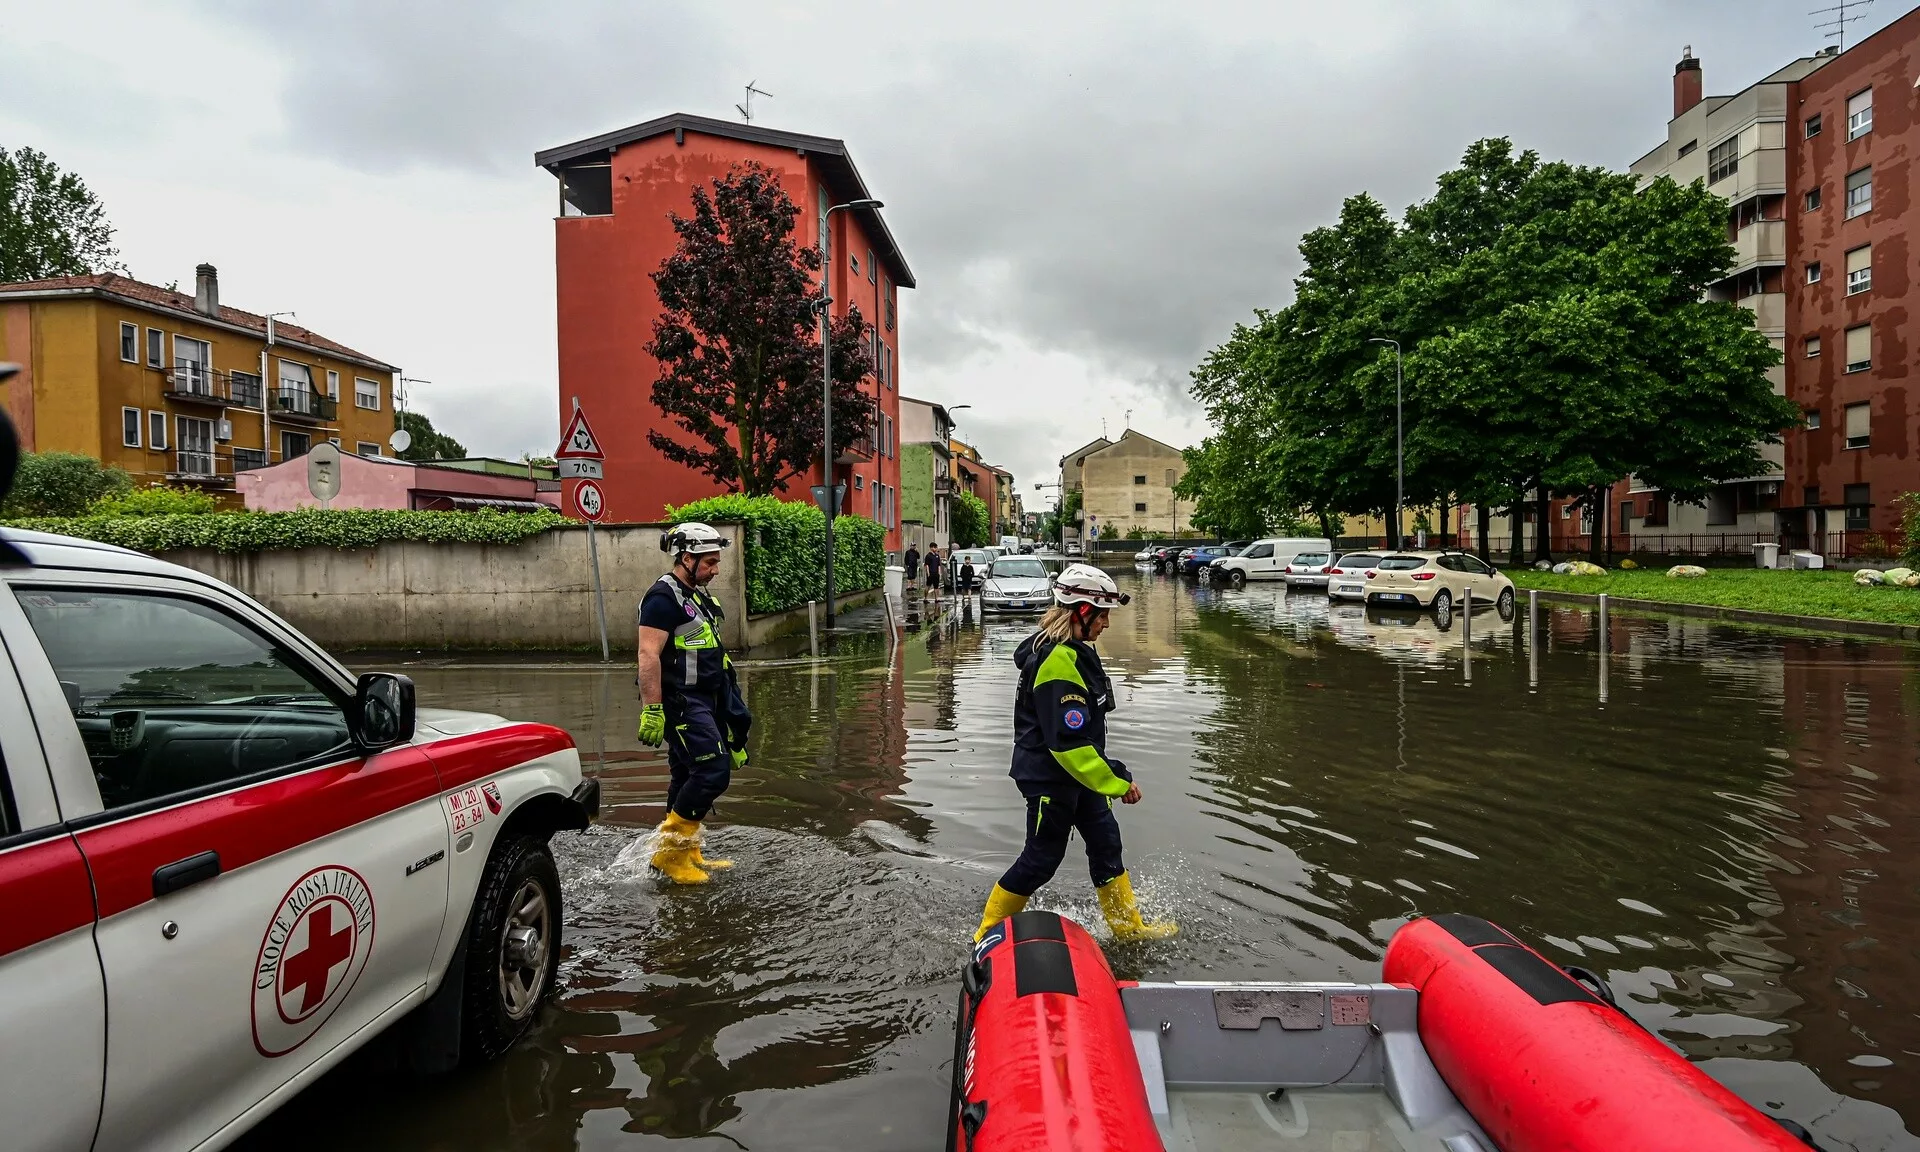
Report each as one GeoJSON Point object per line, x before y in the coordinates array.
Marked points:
{"type": "Point", "coordinates": [613, 232]}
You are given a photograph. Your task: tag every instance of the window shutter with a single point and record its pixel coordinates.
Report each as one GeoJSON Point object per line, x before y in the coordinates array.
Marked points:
{"type": "Point", "coordinates": [1860, 103]}
{"type": "Point", "coordinates": [1859, 418]}
{"type": "Point", "coordinates": [1860, 259]}
{"type": "Point", "coordinates": [1860, 346]}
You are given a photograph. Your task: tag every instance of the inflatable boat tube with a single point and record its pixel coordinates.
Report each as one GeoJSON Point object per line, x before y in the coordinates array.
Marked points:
{"type": "Point", "coordinates": [1043, 1059]}
{"type": "Point", "coordinates": [1543, 1064]}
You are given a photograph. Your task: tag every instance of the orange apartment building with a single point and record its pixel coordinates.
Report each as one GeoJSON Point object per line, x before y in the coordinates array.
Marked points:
{"type": "Point", "coordinates": [613, 231]}
{"type": "Point", "coordinates": [168, 386]}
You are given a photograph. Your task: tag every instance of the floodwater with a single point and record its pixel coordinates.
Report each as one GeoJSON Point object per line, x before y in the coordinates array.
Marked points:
{"type": "Point", "coordinates": [1728, 837]}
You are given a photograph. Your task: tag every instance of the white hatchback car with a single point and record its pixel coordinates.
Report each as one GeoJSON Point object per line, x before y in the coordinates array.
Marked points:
{"type": "Point", "coordinates": [1347, 575]}
{"type": "Point", "coordinates": [227, 862]}
{"type": "Point", "coordinates": [1438, 580]}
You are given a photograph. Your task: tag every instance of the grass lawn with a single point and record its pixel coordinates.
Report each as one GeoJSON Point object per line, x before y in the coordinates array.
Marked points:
{"type": "Point", "coordinates": [1810, 593]}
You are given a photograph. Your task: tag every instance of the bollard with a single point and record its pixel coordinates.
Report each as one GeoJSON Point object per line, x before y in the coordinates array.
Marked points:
{"type": "Point", "coordinates": [1466, 633]}
{"type": "Point", "coordinates": [813, 627]}
{"type": "Point", "coordinates": [1606, 648]}
{"type": "Point", "coordinates": [1533, 638]}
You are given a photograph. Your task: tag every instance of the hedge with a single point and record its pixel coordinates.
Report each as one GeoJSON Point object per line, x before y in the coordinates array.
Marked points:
{"type": "Point", "coordinates": [306, 528]}
{"type": "Point", "coordinates": [786, 548]}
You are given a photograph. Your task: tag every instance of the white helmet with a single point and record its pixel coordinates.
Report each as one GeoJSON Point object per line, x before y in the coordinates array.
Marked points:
{"type": "Point", "coordinates": [693, 537]}
{"type": "Point", "coordinates": [1085, 584]}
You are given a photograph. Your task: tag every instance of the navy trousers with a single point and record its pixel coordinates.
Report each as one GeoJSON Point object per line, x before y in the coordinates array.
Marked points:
{"type": "Point", "coordinates": [700, 732]}
{"type": "Point", "coordinates": [1053, 812]}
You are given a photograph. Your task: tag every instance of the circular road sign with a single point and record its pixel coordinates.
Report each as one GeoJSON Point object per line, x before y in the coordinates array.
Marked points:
{"type": "Point", "coordinates": [590, 500]}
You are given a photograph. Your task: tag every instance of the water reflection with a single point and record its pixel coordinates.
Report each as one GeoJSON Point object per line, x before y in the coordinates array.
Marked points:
{"type": "Point", "coordinates": [1721, 839]}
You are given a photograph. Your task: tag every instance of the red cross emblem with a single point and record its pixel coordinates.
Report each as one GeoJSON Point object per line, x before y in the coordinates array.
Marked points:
{"type": "Point", "coordinates": [326, 947]}
{"type": "Point", "coordinates": [313, 952]}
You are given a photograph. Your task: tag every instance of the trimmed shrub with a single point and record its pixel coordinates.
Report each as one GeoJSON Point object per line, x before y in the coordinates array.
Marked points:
{"type": "Point", "coordinates": [306, 528]}
{"type": "Point", "coordinates": [61, 484]}
{"type": "Point", "coordinates": [154, 500]}
{"type": "Point", "coordinates": [786, 548]}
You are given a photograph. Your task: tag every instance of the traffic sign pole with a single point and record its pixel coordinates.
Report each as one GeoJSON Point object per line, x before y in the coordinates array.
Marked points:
{"type": "Point", "coordinates": [580, 455]}
{"type": "Point", "coordinates": [599, 595]}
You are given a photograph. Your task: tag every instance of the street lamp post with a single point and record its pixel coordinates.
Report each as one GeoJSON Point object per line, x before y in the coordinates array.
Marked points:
{"type": "Point", "coordinates": [1399, 442]}
{"type": "Point", "coordinates": [826, 377]}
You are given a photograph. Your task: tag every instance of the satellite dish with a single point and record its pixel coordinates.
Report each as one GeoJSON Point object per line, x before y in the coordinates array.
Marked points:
{"type": "Point", "coordinates": [401, 440]}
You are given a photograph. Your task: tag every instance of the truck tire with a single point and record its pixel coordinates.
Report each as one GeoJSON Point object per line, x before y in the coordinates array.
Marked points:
{"type": "Point", "coordinates": [513, 947]}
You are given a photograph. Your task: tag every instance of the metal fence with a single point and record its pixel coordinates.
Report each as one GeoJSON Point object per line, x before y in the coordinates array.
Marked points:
{"type": "Point", "coordinates": [1735, 546]}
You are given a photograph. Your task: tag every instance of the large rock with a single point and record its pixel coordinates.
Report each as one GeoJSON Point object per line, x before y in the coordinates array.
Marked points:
{"type": "Point", "coordinates": [1686, 571]}
{"type": "Point", "coordinates": [1584, 568]}
{"type": "Point", "coordinates": [1543, 565]}
{"type": "Point", "coordinates": [1903, 577]}
{"type": "Point", "coordinates": [1867, 576]}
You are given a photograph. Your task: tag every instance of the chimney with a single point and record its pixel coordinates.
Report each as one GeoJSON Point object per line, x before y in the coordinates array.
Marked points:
{"type": "Point", "coordinates": [206, 290]}
{"type": "Point", "coordinates": [1686, 83]}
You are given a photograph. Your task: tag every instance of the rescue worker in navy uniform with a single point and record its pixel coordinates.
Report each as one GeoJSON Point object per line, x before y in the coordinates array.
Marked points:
{"type": "Point", "coordinates": [1060, 758]}
{"type": "Point", "coordinates": [689, 698]}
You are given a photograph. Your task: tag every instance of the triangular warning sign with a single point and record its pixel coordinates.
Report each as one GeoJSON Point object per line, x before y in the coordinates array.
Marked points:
{"type": "Point", "coordinates": [579, 441]}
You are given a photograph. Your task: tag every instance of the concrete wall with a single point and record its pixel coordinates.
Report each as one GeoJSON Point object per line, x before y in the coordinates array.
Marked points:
{"type": "Point", "coordinates": [535, 594]}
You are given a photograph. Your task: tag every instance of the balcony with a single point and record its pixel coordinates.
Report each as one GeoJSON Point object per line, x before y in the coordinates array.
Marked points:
{"type": "Point", "coordinates": [191, 383]}
{"type": "Point", "coordinates": [943, 485]}
{"type": "Point", "coordinates": [303, 406]}
{"type": "Point", "coordinates": [1762, 172]}
{"type": "Point", "coordinates": [1769, 310]}
{"type": "Point", "coordinates": [207, 469]}
{"type": "Point", "coordinates": [1761, 243]}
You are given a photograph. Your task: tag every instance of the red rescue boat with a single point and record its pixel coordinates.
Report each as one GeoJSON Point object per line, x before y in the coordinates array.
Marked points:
{"type": "Point", "coordinates": [1473, 1042]}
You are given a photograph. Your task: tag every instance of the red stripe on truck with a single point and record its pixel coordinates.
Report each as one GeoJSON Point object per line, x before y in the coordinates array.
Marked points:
{"type": "Point", "coordinates": [45, 892]}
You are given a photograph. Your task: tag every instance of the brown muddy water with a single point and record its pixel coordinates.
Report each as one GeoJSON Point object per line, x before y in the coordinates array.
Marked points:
{"type": "Point", "coordinates": [1729, 838]}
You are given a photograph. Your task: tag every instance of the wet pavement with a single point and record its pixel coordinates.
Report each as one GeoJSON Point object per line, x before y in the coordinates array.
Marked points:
{"type": "Point", "coordinates": [1727, 837]}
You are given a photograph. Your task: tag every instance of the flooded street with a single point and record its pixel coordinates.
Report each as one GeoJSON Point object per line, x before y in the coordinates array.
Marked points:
{"type": "Point", "coordinates": [1728, 838]}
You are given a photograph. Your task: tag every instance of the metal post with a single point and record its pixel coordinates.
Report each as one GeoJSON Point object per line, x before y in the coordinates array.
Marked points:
{"type": "Point", "coordinates": [1466, 634]}
{"type": "Point", "coordinates": [813, 627]}
{"type": "Point", "coordinates": [1399, 453]}
{"type": "Point", "coordinates": [1533, 637]}
{"type": "Point", "coordinates": [826, 385]}
{"type": "Point", "coordinates": [1606, 648]}
{"type": "Point", "coordinates": [599, 596]}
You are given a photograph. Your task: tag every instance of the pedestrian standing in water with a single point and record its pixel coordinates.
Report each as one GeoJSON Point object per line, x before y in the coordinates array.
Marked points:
{"type": "Point", "coordinates": [689, 698]}
{"type": "Point", "coordinates": [912, 560]}
{"type": "Point", "coordinates": [933, 569]}
{"type": "Point", "coordinates": [1060, 759]}
{"type": "Point", "coordinates": [965, 581]}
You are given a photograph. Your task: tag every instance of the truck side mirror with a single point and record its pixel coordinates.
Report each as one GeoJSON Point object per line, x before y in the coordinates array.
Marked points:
{"type": "Point", "coordinates": [383, 711]}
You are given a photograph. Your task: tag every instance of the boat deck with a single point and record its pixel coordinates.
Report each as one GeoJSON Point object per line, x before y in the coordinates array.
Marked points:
{"type": "Point", "coordinates": [1302, 1120]}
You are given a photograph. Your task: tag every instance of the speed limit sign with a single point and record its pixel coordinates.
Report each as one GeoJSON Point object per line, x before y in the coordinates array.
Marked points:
{"type": "Point", "coordinates": [590, 500]}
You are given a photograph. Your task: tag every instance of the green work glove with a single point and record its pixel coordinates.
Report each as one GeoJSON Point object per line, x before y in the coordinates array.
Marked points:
{"type": "Point", "coordinates": [653, 725]}
{"type": "Point", "coordinates": [739, 758]}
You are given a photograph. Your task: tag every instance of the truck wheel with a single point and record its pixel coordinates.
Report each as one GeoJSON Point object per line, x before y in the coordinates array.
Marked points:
{"type": "Point", "coordinates": [1238, 579]}
{"type": "Point", "coordinates": [513, 946]}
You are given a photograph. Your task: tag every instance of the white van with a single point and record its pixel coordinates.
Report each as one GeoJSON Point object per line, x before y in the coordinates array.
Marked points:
{"type": "Point", "coordinates": [1266, 559]}
{"type": "Point", "coordinates": [1010, 543]}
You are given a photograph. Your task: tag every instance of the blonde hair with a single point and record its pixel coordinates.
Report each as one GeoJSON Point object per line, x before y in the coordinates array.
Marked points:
{"type": "Point", "coordinates": [1057, 624]}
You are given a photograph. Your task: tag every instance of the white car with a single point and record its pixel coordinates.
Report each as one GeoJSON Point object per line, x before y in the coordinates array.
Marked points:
{"type": "Point", "coordinates": [1347, 575]}
{"type": "Point", "coordinates": [1017, 584]}
{"type": "Point", "coordinates": [1307, 570]}
{"type": "Point", "coordinates": [227, 862]}
{"type": "Point", "coordinates": [1438, 580]}
{"type": "Point", "coordinates": [1265, 559]}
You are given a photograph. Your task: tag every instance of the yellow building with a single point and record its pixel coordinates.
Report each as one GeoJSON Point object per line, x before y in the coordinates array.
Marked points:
{"type": "Point", "coordinates": [1128, 483]}
{"type": "Point", "coordinates": [169, 387]}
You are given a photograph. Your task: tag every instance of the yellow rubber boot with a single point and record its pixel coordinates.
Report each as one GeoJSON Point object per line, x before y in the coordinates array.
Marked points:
{"type": "Point", "coordinates": [700, 859]}
{"type": "Point", "coordinates": [1123, 915]}
{"type": "Point", "coordinates": [678, 854]}
{"type": "Point", "coordinates": [1000, 905]}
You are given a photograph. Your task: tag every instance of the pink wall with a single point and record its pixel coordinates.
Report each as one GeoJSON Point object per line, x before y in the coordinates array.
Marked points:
{"type": "Point", "coordinates": [368, 483]}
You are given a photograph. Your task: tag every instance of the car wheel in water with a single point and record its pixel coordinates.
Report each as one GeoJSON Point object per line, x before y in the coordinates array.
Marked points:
{"type": "Point", "coordinates": [1505, 604]}
{"type": "Point", "coordinates": [1238, 579]}
{"type": "Point", "coordinates": [1443, 602]}
{"type": "Point", "coordinates": [513, 946]}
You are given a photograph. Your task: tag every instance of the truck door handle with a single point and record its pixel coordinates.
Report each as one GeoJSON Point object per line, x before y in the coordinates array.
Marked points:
{"type": "Point", "coordinates": [184, 873]}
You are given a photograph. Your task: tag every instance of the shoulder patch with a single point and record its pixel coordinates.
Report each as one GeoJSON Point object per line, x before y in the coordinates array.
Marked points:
{"type": "Point", "coordinates": [1072, 698]}
{"type": "Point", "coordinates": [1074, 719]}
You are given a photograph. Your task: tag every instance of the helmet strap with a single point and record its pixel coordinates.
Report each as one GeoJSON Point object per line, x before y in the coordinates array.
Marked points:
{"type": "Point", "coordinates": [1083, 618]}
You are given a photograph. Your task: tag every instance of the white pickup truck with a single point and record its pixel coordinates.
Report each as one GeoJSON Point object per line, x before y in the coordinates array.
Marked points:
{"type": "Point", "coordinates": [1265, 559]}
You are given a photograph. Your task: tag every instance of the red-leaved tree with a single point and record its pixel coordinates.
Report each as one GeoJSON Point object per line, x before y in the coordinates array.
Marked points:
{"type": "Point", "coordinates": [738, 341]}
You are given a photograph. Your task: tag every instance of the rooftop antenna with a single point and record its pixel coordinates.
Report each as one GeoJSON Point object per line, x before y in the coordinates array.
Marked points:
{"type": "Point", "coordinates": [1103, 427]}
{"type": "Point", "coordinates": [1129, 419]}
{"type": "Point", "coordinates": [1842, 14]}
{"type": "Point", "coordinates": [746, 110]}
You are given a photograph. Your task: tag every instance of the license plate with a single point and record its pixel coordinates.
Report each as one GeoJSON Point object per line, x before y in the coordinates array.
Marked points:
{"type": "Point", "coordinates": [1016, 603]}
{"type": "Point", "coordinates": [1401, 597]}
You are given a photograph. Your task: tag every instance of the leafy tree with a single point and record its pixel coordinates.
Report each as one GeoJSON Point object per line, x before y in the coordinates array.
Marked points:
{"type": "Point", "coordinates": [968, 519]}
{"type": "Point", "coordinates": [50, 223]}
{"type": "Point", "coordinates": [61, 484]}
{"type": "Point", "coordinates": [428, 443]}
{"type": "Point", "coordinates": [738, 342]}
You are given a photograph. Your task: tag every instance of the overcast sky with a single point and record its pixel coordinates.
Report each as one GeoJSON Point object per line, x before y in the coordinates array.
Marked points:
{"type": "Point", "coordinates": [1090, 194]}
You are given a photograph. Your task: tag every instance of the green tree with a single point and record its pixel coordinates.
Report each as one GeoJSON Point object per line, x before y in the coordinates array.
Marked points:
{"type": "Point", "coordinates": [968, 520]}
{"type": "Point", "coordinates": [50, 223]}
{"type": "Point", "coordinates": [738, 341]}
{"type": "Point", "coordinates": [427, 444]}
{"type": "Point", "coordinates": [61, 484]}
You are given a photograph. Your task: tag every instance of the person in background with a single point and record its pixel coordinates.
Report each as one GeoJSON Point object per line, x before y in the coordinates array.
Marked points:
{"type": "Point", "coordinates": [912, 561]}
{"type": "Point", "coordinates": [1060, 760]}
{"type": "Point", "coordinates": [965, 582]}
{"type": "Point", "coordinates": [933, 569]}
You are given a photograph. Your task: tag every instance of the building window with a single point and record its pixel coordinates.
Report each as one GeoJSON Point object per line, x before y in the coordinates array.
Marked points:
{"type": "Point", "coordinates": [156, 349]}
{"type": "Point", "coordinates": [887, 301]}
{"type": "Point", "coordinates": [245, 458]}
{"type": "Point", "coordinates": [871, 271]}
{"type": "Point", "coordinates": [1859, 501]}
{"type": "Point", "coordinates": [859, 482]}
{"type": "Point", "coordinates": [245, 389]}
{"type": "Point", "coordinates": [1723, 160]}
{"type": "Point", "coordinates": [294, 445]}
{"type": "Point", "coordinates": [1813, 347]}
{"type": "Point", "coordinates": [157, 431]}
{"type": "Point", "coordinates": [192, 366]}
{"type": "Point", "coordinates": [1860, 114]}
{"type": "Point", "coordinates": [333, 384]}
{"type": "Point", "coordinates": [366, 394]}
{"type": "Point", "coordinates": [1810, 496]}
{"type": "Point", "coordinates": [1139, 479]}
{"type": "Point", "coordinates": [1688, 147]}
{"type": "Point", "coordinates": [1813, 419]}
{"type": "Point", "coordinates": [1859, 192]}
{"type": "Point", "coordinates": [1859, 421]}
{"type": "Point", "coordinates": [1860, 348]}
{"type": "Point", "coordinates": [1813, 272]}
{"type": "Point", "coordinates": [196, 446]}
{"type": "Point", "coordinates": [1813, 126]}
{"type": "Point", "coordinates": [1139, 506]}
{"type": "Point", "coordinates": [1860, 270]}
{"type": "Point", "coordinates": [586, 190]}
{"type": "Point", "coordinates": [1720, 505]}
{"type": "Point", "coordinates": [1813, 199]}
{"type": "Point", "coordinates": [853, 262]}
{"type": "Point", "coordinates": [365, 448]}
{"type": "Point", "coordinates": [130, 427]}
{"type": "Point", "coordinates": [130, 343]}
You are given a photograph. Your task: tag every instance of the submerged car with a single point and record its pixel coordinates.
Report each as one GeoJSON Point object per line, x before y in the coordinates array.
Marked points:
{"type": "Point", "coordinates": [1017, 584]}
{"type": "Point", "coordinates": [1307, 570]}
{"type": "Point", "coordinates": [1347, 575]}
{"type": "Point", "coordinates": [1194, 562]}
{"type": "Point", "coordinates": [1438, 580]}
